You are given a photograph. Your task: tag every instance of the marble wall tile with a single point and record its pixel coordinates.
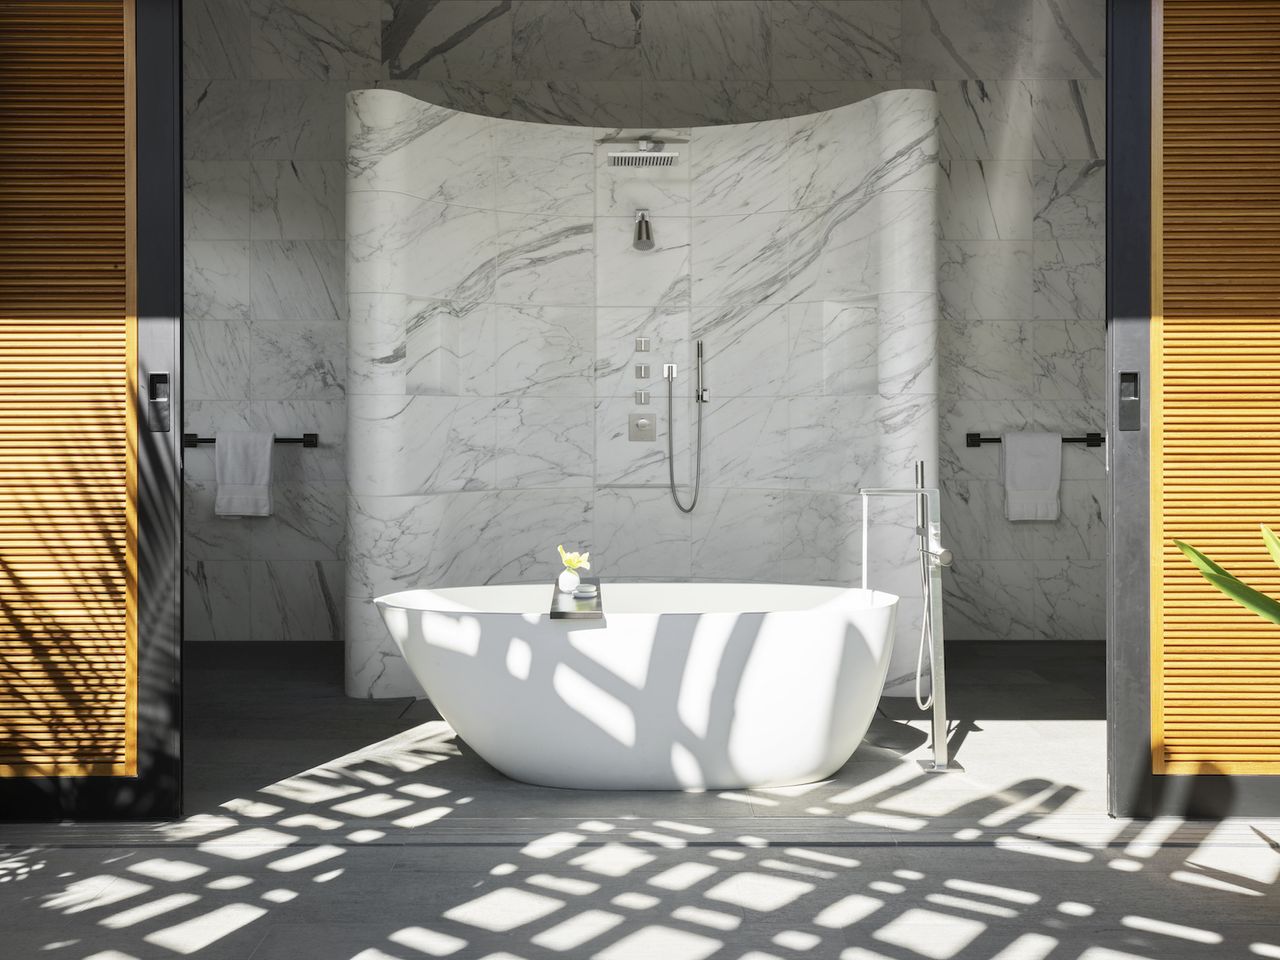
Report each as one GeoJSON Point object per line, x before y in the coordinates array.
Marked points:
{"type": "Point", "coordinates": [986, 200]}
{"type": "Point", "coordinates": [448, 39]}
{"type": "Point", "coordinates": [1069, 119]}
{"type": "Point", "coordinates": [985, 119]}
{"type": "Point", "coordinates": [668, 330]}
{"type": "Point", "coordinates": [626, 277]}
{"type": "Point", "coordinates": [544, 442]}
{"type": "Point", "coordinates": [746, 350]}
{"type": "Point", "coordinates": [308, 522]}
{"type": "Point", "coordinates": [545, 351]}
{"type": "Point", "coordinates": [1070, 280]}
{"type": "Point", "coordinates": [316, 39]}
{"type": "Point", "coordinates": [740, 260]}
{"type": "Point", "coordinates": [680, 103]}
{"type": "Point", "coordinates": [216, 120]}
{"type": "Point", "coordinates": [880, 244]}
{"type": "Point", "coordinates": [298, 200]}
{"type": "Point", "coordinates": [576, 39]}
{"type": "Point", "coordinates": [296, 119]}
{"type": "Point", "coordinates": [976, 529]}
{"type": "Point", "coordinates": [662, 191]}
{"type": "Point", "coordinates": [545, 169]}
{"type": "Point", "coordinates": [207, 536]}
{"type": "Point", "coordinates": [216, 600]}
{"type": "Point", "coordinates": [1070, 38]}
{"type": "Point", "coordinates": [1070, 199]}
{"type": "Point", "coordinates": [292, 418]}
{"type": "Point", "coordinates": [985, 279]}
{"type": "Point", "coordinates": [450, 154]}
{"type": "Point", "coordinates": [907, 344]}
{"type": "Point", "coordinates": [216, 199]}
{"type": "Point", "coordinates": [298, 600]}
{"type": "Point", "coordinates": [989, 600]}
{"type": "Point", "coordinates": [820, 538]}
{"type": "Point", "coordinates": [710, 40]}
{"type": "Point", "coordinates": [396, 244]}
{"type": "Point", "coordinates": [215, 40]}
{"type": "Point", "coordinates": [831, 442]}
{"type": "Point", "coordinates": [400, 446]}
{"type": "Point", "coordinates": [216, 279]}
{"type": "Point", "coordinates": [449, 347]}
{"type": "Point", "coordinates": [640, 533]}
{"type": "Point", "coordinates": [740, 170]}
{"type": "Point", "coordinates": [737, 534]}
{"type": "Point", "coordinates": [1069, 360]}
{"type": "Point", "coordinates": [377, 343]}
{"type": "Point", "coordinates": [215, 360]}
{"type": "Point", "coordinates": [836, 39]}
{"type": "Point", "coordinates": [1065, 600]}
{"type": "Point", "coordinates": [966, 39]}
{"type": "Point", "coordinates": [298, 280]}
{"type": "Point", "coordinates": [304, 360]}
{"type": "Point", "coordinates": [750, 445]}
{"type": "Point", "coordinates": [545, 260]}
{"type": "Point", "coordinates": [374, 667]}
{"type": "Point", "coordinates": [391, 545]}
{"type": "Point", "coordinates": [988, 359]}
{"type": "Point", "coordinates": [588, 102]}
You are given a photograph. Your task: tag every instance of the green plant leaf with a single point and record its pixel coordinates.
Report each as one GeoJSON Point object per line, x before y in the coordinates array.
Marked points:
{"type": "Point", "coordinates": [1246, 596]}
{"type": "Point", "coordinates": [1203, 563]}
{"type": "Point", "coordinates": [1272, 542]}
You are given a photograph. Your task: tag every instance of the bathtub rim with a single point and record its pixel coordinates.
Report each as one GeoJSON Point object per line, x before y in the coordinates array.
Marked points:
{"type": "Point", "coordinates": [443, 601]}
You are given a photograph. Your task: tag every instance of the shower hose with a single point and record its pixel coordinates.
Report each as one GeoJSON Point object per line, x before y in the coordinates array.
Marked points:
{"type": "Point", "coordinates": [671, 457]}
{"type": "Point", "coordinates": [926, 635]}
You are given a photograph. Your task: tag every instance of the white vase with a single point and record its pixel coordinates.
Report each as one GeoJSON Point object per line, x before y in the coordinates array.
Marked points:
{"type": "Point", "coordinates": [568, 581]}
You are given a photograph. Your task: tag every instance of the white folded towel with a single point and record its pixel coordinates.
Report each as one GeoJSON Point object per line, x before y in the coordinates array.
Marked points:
{"type": "Point", "coordinates": [1032, 467]}
{"type": "Point", "coordinates": [242, 464]}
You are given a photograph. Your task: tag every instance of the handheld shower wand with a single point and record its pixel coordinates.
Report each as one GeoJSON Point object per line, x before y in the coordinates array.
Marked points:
{"type": "Point", "coordinates": [702, 396]}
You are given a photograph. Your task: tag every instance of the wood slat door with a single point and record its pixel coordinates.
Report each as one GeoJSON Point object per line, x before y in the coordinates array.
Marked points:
{"type": "Point", "coordinates": [1216, 371]}
{"type": "Point", "coordinates": [68, 540]}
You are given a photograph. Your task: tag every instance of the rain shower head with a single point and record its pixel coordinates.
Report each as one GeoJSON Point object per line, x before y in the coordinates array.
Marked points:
{"type": "Point", "coordinates": [641, 158]}
{"type": "Point", "coordinates": [648, 153]}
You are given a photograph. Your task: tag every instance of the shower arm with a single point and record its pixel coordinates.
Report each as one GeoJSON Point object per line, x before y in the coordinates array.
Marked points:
{"type": "Point", "coordinates": [928, 530]}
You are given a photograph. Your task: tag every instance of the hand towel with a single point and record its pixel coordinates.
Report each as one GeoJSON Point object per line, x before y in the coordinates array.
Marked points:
{"type": "Point", "coordinates": [1032, 471]}
{"type": "Point", "coordinates": [242, 464]}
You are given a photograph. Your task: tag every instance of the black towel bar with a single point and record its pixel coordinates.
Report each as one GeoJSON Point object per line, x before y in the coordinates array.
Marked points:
{"type": "Point", "coordinates": [1089, 440]}
{"type": "Point", "coordinates": [307, 440]}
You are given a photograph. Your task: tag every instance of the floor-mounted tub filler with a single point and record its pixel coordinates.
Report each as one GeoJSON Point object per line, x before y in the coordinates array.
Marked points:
{"type": "Point", "coordinates": [680, 686]}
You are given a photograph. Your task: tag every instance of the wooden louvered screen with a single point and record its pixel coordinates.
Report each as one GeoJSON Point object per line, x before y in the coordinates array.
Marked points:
{"type": "Point", "coordinates": [1216, 363]}
{"type": "Point", "coordinates": [67, 328]}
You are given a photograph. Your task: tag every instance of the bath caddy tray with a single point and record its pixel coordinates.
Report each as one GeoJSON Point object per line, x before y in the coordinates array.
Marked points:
{"type": "Point", "coordinates": [565, 606]}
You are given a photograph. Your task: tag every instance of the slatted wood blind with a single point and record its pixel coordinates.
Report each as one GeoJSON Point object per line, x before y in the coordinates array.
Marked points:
{"type": "Point", "coordinates": [67, 327]}
{"type": "Point", "coordinates": [1216, 364]}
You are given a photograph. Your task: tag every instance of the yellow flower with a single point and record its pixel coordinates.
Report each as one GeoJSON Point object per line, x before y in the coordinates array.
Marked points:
{"type": "Point", "coordinates": [574, 561]}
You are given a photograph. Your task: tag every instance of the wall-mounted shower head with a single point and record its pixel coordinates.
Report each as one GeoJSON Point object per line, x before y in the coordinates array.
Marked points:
{"type": "Point", "coordinates": [644, 231]}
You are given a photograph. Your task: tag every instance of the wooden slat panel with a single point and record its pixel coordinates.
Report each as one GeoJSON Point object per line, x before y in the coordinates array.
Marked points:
{"type": "Point", "coordinates": [1216, 366]}
{"type": "Point", "coordinates": [67, 327]}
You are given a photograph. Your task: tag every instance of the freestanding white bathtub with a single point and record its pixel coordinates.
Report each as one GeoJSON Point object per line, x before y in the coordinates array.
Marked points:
{"type": "Point", "coordinates": [682, 685]}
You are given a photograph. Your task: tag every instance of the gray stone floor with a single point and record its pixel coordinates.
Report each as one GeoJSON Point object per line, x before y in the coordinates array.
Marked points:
{"type": "Point", "coordinates": [319, 827]}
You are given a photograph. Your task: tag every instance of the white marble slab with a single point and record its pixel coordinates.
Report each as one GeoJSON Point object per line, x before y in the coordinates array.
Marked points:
{"type": "Point", "coordinates": [545, 260]}
{"type": "Point", "coordinates": [626, 277]}
{"type": "Point", "coordinates": [304, 360]}
{"type": "Point", "coordinates": [544, 442]}
{"type": "Point", "coordinates": [544, 351]}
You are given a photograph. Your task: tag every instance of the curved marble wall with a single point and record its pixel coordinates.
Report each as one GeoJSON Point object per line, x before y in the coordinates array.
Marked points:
{"type": "Point", "coordinates": [494, 302]}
